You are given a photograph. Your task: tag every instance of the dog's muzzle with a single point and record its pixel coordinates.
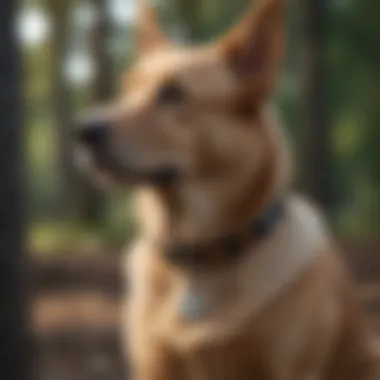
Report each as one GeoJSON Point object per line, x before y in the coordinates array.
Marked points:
{"type": "Point", "coordinates": [94, 137]}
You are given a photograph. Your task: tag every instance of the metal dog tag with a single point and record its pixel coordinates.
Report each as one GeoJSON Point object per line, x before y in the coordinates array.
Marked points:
{"type": "Point", "coordinates": [193, 304]}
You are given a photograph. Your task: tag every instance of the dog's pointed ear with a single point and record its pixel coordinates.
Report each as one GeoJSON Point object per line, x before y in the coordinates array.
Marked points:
{"type": "Point", "coordinates": [149, 33]}
{"type": "Point", "coordinates": [254, 48]}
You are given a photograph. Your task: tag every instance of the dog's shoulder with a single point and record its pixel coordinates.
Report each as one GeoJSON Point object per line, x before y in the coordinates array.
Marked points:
{"type": "Point", "coordinates": [300, 239]}
{"type": "Point", "coordinates": [306, 226]}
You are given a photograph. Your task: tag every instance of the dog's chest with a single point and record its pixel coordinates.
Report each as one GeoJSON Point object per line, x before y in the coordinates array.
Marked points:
{"type": "Point", "coordinates": [236, 359]}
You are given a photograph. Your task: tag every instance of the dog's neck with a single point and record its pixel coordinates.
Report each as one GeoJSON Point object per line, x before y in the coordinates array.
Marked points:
{"type": "Point", "coordinates": [207, 209]}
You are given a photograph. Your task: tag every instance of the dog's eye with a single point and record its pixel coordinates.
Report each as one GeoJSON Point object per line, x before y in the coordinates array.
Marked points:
{"type": "Point", "coordinates": [171, 94]}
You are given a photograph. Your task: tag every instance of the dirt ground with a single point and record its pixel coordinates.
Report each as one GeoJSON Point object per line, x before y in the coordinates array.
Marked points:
{"type": "Point", "coordinates": [76, 312]}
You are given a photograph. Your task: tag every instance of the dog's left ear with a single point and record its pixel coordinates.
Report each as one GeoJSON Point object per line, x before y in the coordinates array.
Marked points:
{"type": "Point", "coordinates": [149, 32]}
{"type": "Point", "coordinates": [254, 48]}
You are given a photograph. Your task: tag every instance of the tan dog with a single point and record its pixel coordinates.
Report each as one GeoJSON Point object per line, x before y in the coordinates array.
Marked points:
{"type": "Point", "coordinates": [231, 277]}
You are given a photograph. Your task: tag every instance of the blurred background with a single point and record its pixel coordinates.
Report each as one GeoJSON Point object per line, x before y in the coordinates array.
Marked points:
{"type": "Point", "coordinates": [73, 54]}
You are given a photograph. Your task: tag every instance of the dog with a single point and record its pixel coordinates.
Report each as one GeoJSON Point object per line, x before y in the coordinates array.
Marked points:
{"type": "Point", "coordinates": [232, 276]}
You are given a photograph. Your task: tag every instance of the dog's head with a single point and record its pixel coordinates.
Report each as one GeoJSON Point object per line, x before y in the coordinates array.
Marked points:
{"type": "Point", "coordinates": [189, 113]}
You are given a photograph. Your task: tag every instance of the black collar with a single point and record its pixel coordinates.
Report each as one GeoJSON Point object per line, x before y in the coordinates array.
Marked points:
{"type": "Point", "coordinates": [228, 248]}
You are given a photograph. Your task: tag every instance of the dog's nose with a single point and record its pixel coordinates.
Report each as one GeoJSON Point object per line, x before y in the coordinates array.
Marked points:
{"type": "Point", "coordinates": [93, 133]}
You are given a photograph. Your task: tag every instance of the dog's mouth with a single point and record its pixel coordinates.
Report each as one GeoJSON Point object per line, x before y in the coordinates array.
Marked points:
{"type": "Point", "coordinates": [106, 164]}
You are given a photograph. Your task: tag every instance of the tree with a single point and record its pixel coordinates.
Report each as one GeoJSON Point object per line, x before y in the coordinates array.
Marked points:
{"type": "Point", "coordinates": [189, 13]}
{"type": "Point", "coordinates": [93, 197]}
{"type": "Point", "coordinates": [315, 172]}
{"type": "Point", "coordinates": [13, 327]}
{"type": "Point", "coordinates": [61, 105]}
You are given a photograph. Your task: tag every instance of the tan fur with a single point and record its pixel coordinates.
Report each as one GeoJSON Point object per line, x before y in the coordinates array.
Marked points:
{"type": "Point", "coordinates": [287, 310]}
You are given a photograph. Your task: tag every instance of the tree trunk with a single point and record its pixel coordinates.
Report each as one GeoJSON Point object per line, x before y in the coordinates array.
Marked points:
{"type": "Point", "coordinates": [316, 152]}
{"type": "Point", "coordinates": [93, 198]}
{"type": "Point", "coordinates": [103, 85]}
{"type": "Point", "coordinates": [62, 109]}
{"type": "Point", "coordinates": [190, 16]}
{"type": "Point", "coordinates": [15, 348]}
